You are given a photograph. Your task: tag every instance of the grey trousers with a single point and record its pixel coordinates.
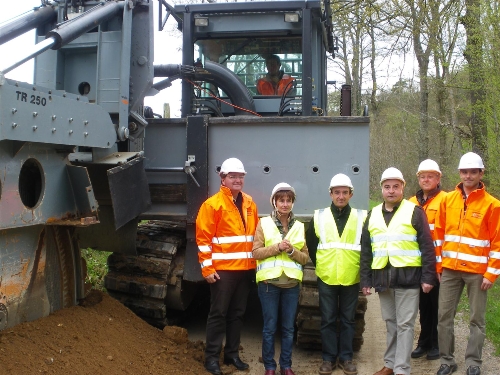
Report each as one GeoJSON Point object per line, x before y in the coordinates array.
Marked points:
{"type": "Point", "coordinates": [399, 310]}
{"type": "Point", "coordinates": [452, 286]}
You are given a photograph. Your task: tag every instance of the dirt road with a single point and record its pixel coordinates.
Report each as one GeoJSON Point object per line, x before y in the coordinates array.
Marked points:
{"type": "Point", "coordinates": [369, 358]}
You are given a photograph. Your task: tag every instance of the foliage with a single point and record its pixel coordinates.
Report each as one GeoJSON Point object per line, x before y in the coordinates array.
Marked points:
{"type": "Point", "coordinates": [96, 267]}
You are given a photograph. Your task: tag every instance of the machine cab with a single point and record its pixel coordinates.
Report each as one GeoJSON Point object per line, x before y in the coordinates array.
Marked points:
{"type": "Point", "coordinates": [242, 37]}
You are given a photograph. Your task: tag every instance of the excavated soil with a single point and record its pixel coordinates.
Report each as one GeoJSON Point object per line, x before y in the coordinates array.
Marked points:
{"type": "Point", "coordinates": [103, 337]}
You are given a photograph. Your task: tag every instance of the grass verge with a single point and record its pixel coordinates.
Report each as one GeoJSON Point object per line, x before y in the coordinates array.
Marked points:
{"type": "Point", "coordinates": [96, 267]}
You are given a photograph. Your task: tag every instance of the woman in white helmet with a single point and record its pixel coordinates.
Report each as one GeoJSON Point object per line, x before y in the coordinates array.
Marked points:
{"type": "Point", "coordinates": [280, 250]}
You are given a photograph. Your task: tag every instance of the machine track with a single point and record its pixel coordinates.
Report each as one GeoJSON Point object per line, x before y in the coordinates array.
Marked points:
{"type": "Point", "coordinates": [309, 317]}
{"type": "Point", "coordinates": [151, 283]}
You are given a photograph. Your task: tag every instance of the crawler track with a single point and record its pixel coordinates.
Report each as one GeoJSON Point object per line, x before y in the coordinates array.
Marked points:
{"type": "Point", "coordinates": [151, 283]}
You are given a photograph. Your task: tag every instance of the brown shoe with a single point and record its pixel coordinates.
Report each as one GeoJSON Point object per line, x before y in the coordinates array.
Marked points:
{"type": "Point", "coordinates": [385, 371]}
{"type": "Point", "coordinates": [326, 368]}
{"type": "Point", "coordinates": [286, 371]}
{"type": "Point", "coordinates": [348, 367]}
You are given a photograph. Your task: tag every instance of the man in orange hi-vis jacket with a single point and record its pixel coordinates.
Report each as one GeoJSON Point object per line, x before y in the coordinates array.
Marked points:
{"type": "Point", "coordinates": [225, 227]}
{"type": "Point", "coordinates": [467, 231]}
{"type": "Point", "coordinates": [276, 82]}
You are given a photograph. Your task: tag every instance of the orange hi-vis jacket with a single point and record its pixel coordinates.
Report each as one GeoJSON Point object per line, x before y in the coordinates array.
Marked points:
{"type": "Point", "coordinates": [468, 233]}
{"type": "Point", "coordinates": [224, 242]}
{"type": "Point", "coordinates": [430, 207]}
{"type": "Point", "coordinates": [266, 87]}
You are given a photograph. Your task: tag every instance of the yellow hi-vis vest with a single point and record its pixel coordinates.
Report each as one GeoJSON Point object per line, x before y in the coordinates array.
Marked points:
{"type": "Point", "coordinates": [337, 257]}
{"type": "Point", "coordinates": [273, 267]}
{"type": "Point", "coordinates": [396, 243]}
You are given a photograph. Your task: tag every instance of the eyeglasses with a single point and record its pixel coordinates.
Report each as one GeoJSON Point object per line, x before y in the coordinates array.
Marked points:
{"type": "Point", "coordinates": [233, 177]}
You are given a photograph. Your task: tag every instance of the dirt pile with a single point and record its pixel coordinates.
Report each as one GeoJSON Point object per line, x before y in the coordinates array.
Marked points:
{"type": "Point", "coordinates": [99, 337]}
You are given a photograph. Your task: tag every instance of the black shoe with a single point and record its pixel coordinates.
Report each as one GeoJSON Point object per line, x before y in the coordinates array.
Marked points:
{"type": "Point", "coordinates": [418, 352]}
{"type": "Point", "coordinates": [473, 370]}
{"type": "Point", "coordinates": [433, 354]}
{"type": "Point", "coordinates": [236, 362]}
{"type": "Point", "coordinates": [213, 367]}
{"type": "Point", "coordinates": [447, 369]}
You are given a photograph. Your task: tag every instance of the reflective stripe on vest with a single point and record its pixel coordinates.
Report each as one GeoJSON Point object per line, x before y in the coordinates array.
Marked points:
{"type": "Point", "coordinates": [337, 257]}
{"type": "Point", "coordinates": [467, 240]}
{"type": "Point", "coordinates": [396, 243]}
{"type": "Point", "coordinates": [232, 239]}
{"type": "Point", "coordinates": [272, 267]}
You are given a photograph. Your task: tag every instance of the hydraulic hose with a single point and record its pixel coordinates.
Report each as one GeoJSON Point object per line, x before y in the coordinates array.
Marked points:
{"type": "Point", "coordinates": [229, 82]}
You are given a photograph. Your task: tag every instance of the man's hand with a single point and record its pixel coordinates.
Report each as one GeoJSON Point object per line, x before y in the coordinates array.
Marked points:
{"type": "Point", "coordinates": [487, 284]}
{"type": "Point", "coordinates": [439, 277]}
{"type": "Point", "coordinates": [212, 278]}
{"type": "Point", "coordinates": [367, 291]}
{"type": "Point", "coordinates": [426, 288]}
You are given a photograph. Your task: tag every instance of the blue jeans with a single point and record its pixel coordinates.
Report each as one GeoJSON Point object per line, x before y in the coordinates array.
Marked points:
{"type": "Point", "coordinates": [337, 301]}
{"type": "Point", "coordinates": [270, 298]}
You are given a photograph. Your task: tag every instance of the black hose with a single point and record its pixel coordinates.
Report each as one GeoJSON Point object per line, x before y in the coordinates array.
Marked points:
{"type": "Point", "coordinates": [229, 82]}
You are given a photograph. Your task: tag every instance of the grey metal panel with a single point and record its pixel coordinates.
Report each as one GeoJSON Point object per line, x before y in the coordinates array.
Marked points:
{"type": "Point", "coordinates": [290, 146]}
{"type": "Point", "coordinates": [37, 114]}
{"type": "Point", "coordinates": [291, 150]}
{"type": "Point", "coordinates": [271, 22]}
{"type": "Point", "coordinates": [307, 71]}
{"type": "Point", "coordinates": [165, 145]}
{"type": "Point", "coordinates": [80, 67]}
{"type": "Point", "coordinates": [56, 200]}
{"type": "Point", "coordinates": [197, 147]}
{"type": "Point", "coordinates": [141, 55]}
{"type": "Point", "coordinates": [82, 190]}
{"type": "Point", "coordinates": [129, 191]}
{"type": "Point", "coordinates": [248, 6]}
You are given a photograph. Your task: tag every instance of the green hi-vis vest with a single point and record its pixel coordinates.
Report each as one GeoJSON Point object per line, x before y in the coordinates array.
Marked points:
{"type": "Point", "coordinates": [273, 267]}
{"type": "Point", "coordinates": [337, 257]}
{"type": "Point", "coordinates": [396, 243]}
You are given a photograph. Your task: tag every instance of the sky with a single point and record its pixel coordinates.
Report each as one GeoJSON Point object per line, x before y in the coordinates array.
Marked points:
{"type": "Point", "coordinates": [167, 51]}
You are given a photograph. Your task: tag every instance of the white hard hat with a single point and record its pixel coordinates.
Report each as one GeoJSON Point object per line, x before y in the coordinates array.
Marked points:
{"type": "Point", "coordinates": [282, 186]}
{"type": "Point", "coordinates": [232, 165]}
{"type": "Point", "coordinates": [471, 160]}
{"type": "Point", "coordinates": [392, 174]}
{"type": "Point", "coordinates": [341, 179]}
{"type": "Point", "coordinates": [428, 165]}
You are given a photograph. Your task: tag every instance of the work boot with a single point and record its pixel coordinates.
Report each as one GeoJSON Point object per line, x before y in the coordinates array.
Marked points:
{"type": "Point", "coordinates": [418, 352]}
{"type": "Point", "coordinates": [326, 368]}
{"type": "Point", "coordinates": [447, 369]}
{"type": "Point", "coordinates": [385, 371]}
{"type": "Point", "coordinates": [433, 354]}
{"type": "Point", "coordinates": [286, 371]}
{"type": "Point", "coordinates": [213, 367]}
{"type": "Point", "coordinates": [473, 370]}
{"type": "Point", "coordinates": [236, 362]}
{"type": "Point", "coordinates": [270, 372]}
{"type": "Point", "coordinates": [348, 367]}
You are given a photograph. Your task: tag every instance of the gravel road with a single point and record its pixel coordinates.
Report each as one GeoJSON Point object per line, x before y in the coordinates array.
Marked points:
{"type": "Point", "coordinates": [369, 359]}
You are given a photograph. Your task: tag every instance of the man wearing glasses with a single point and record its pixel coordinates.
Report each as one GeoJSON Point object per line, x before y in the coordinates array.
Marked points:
{"type": "Point", "coordinates": [428, 197]}
{"type": "Point", "coordinates": [225, 227]}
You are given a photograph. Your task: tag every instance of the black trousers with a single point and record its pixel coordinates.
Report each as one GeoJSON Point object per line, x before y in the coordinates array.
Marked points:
{"type": "Point", "coordinates": [228, 302]}
{"type": "Point", "coordinates": [428, 308]}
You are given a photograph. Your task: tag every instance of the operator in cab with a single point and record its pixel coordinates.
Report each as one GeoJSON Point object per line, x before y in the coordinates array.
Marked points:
{"type": "Point", "coordinates": [225, 227]}
{"type": "Point", "coordinates": [276, 82]}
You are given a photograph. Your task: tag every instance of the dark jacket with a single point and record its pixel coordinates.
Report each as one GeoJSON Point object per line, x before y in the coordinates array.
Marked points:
{"type": "Point", "coordinates": [401, 277]}
{"type": "Point", "coordinates": [341, 215]}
